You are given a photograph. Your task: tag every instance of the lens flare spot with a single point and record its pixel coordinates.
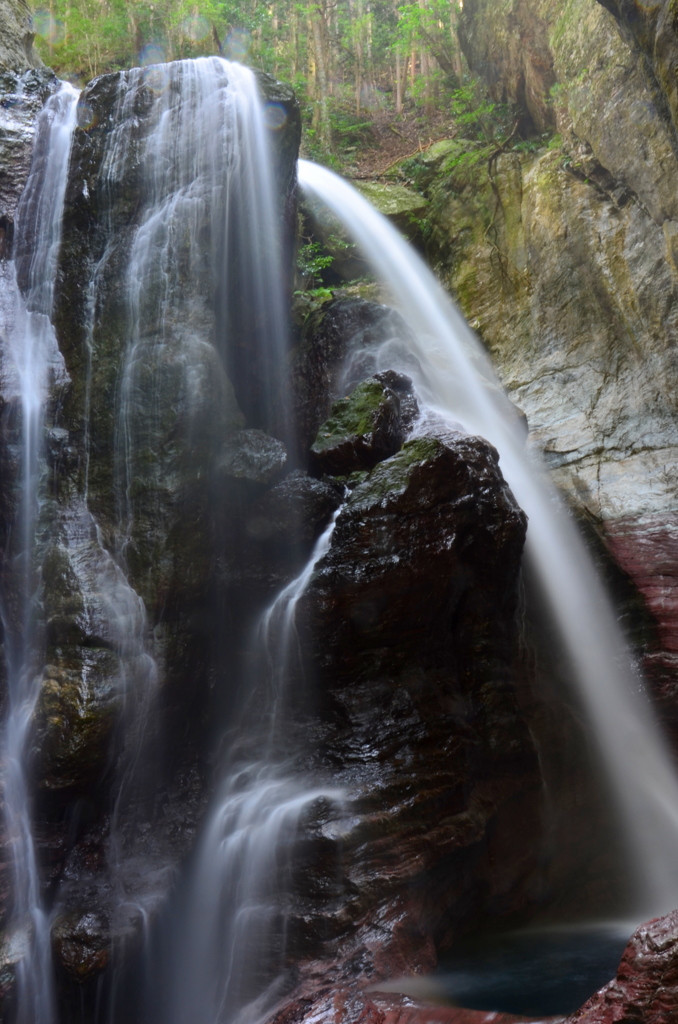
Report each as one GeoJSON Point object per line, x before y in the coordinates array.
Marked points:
{"type": "Point", "coordinates": [275, 115]}
{"type": "Point", "coordinates": [155, 78]}
{"type": "Point", "coordinates": [237, 44]}
{"type": "Point", "coordinates": [49, 28]}
{"type": "Point", "coordinates": [86, 116]}
{"type": "Point", "coordinates": [153, 53]}
{"type": "Point", "coordinates": [196, 27]}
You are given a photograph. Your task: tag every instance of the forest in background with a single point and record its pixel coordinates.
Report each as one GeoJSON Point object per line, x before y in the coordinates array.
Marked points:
{"type": "Point", "coordinates": [348, 60]}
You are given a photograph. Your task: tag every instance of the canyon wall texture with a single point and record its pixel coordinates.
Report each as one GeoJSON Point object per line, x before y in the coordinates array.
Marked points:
{"type": "Point", "coordinates": [562, 254]}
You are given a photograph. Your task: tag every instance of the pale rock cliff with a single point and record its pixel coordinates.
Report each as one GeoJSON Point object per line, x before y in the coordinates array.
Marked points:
{"type": "Point", "coordinates": [565, 260]}
{"type": "Point", "coordinates": [16, 38]}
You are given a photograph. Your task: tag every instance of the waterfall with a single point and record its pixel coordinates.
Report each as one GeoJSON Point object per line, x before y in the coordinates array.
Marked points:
{"type": "Point", "coordinates": [35, 365]}
{"type": "Point", "coordinates": [202, 274]}
{"type": "Point", "coordinates": [228, 959]}
{"type": "Point", "coordinates": [201, 293]}
{"type": "Point", "coordinates": [202, 296]}
{"type": "Point", "coordinates": [455, 380]}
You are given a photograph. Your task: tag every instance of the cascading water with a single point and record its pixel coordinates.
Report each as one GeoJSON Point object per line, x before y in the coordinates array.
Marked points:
{"type": "Point", "coordinates": [228, 964]}
{"type": "Point", "coordinates": [37, 364]}
{"type": "Point", "coordinates": [203, 272]}
{"type": "Point", "coordinates": [455, 380]}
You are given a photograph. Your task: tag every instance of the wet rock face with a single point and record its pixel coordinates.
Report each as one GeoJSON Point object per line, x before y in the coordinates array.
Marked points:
{"type": "Point", "coordinates": [414, 508]}
{"type": "Point", "coordinates": [408, 630]}
{"type": "Point", "coordinates": [338, 349]}
{"type": "Point", "coordinates": [16, 44]}
{"type": "Point", "coordinates": [127, 562]}
{"type": "Point", "coordinates": [82, 944]}
{"type": "Point", "coordinates": [252, 457]}
{"type": "Point", "coordinates": [347, 1006]}
{"type": "Point", "coordinates": [22, 98]}
{"type": "Point", "coordinates": [366, 427]}
{"type": "Point", "coordinates": [646, 986]}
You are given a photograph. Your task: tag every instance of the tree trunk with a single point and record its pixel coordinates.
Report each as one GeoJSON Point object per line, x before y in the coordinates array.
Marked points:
{"type": "Point", "coordinates": [398, 84]}
{"type": "Point", "coordinates": [321, 113]}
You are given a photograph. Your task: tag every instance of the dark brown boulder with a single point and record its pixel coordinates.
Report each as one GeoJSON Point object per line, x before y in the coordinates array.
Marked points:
{"type": "Point", "coordinates": [336, 352]}
{"type": "Point", "coordinates": [645, 990]}
{"type": "Point", "coordinates": [408, 628]}
{"type": "Point", "coordinates": [363, 429]}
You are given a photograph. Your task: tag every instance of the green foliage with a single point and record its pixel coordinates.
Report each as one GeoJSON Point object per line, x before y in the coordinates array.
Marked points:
{"type": "Point", "coordinates": [341, 56]}
{"type": "Point", "coordinates": [312, 259]}
{"type": "Point", "coordinates": [316, 256]}
{"type": "Point", "coordinates": [546, 139]}
{"type": "Point", "coordinates": [318, 294]}
{"type": "Point", "coordinates": [350, 129]}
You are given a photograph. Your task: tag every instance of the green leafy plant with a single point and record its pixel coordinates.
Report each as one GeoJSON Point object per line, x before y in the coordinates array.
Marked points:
{"type": "Point", "coordinates": [312, 259]}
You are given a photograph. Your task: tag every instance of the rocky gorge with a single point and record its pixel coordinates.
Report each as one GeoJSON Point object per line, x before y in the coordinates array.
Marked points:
{"type": "Point", "coordinates": [180, 488]}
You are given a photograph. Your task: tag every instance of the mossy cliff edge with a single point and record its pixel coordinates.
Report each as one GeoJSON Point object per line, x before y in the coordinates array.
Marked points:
{"type": "Point", "coordinates": [563, 255]}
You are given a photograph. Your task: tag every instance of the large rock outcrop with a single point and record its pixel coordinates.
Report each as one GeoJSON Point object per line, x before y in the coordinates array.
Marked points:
{"type": "Point", "coordinates": [646, 986]}
{"type": "Point", "coordinates": [16, 42]}
{"type": "Point", "coordinates": [405, 698]}
{"type": "Point", "coordinates": [125, 623]}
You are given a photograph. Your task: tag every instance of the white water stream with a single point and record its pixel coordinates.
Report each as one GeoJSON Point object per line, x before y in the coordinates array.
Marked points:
{"type": "Point", "coordinates": [202, 273]}
{"type": "Point", "coordinates": [229, 962]}
{"type": "Point", "coordinates": [455, 380]}
{"type": "Point", "coordinates": [35, 363]}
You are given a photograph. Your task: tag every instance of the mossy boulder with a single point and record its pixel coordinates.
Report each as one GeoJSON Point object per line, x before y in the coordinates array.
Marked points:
{"type": "Point", "coordinates": [338, 348]}
{"type": "Point", "coordinates": [363, 429]}
{"type": "Point", "coordinates": [400, 204]}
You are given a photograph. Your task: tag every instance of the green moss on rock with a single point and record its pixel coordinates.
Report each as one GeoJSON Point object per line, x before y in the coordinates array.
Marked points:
{"type": "Point", "coordinates": [362, 430]}
{"type": "Point", "coordinates": [392, 478]}
{"type": "Point", "coordinates": [75, 715]}
{"type": "Point", "coordinates": [392, 200]}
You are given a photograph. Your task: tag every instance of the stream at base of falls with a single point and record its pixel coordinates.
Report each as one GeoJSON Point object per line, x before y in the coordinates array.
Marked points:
{"type": "Point", "coordinates": [535, 972]}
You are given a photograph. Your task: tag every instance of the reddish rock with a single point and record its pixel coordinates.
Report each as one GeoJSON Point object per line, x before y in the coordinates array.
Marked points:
{"type": "Point", "coordinates": [646, 548]}
{"type": "Point", "coordinates": [344, 1006]}
{"type": "Point", "coordinates": [403, 1010]}
{"type": "Point", "coordinates": [427, 739]}
{"type": "Point", "coordinates": [645, 990]}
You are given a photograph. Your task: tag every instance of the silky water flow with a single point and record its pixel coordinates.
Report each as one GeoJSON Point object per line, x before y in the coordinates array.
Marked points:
{"type": "Point", "coordinates": [228, 960]}
{"type": "Point", "coordinates": [455, 381]}
{"type": "Point", "coordinates": [35, 364]}
{"type": "Point", "coordinates": [210, 204]}
{"type": "Point", "coordinates": [206, 250]}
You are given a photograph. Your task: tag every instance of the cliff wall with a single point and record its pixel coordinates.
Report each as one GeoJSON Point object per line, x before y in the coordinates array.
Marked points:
{"type": "Point", "coordinates": [562, 253]}
{"type": "Point", "coordinates": [16, 41]}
